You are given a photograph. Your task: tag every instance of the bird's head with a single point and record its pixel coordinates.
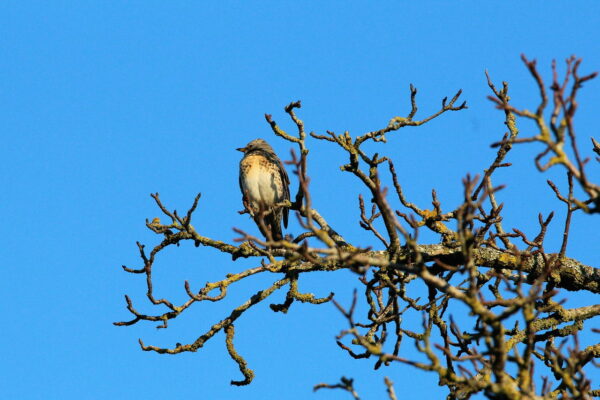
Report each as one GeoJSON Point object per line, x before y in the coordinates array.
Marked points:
{"type": "Point", "coordinates": [256, 144]}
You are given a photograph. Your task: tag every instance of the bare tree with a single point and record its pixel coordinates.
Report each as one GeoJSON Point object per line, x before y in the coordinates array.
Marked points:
{"type": "Point", "coordinates": [506, 279]}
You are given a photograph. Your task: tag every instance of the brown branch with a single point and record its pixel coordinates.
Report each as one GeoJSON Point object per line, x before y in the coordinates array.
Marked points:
{"type": "Point", "coordinates": [248, 373]}
{"type": "Point", "coordinates": [346, 384]}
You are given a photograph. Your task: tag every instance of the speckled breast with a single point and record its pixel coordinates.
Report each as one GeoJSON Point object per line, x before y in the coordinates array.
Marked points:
{"type": "Point", "coordinates": [261, 181]}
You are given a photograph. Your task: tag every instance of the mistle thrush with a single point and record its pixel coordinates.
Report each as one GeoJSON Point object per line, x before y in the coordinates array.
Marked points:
{"type": "Point", "coordinates": [264, 183]}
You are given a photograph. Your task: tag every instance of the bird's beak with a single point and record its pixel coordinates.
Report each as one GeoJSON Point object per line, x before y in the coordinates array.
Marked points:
{"type": "Point", "coordinates": [242, 149]}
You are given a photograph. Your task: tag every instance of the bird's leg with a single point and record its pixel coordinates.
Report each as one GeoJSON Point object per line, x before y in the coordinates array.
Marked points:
{"type": "Point", "coordinates": [263, 223]}
{"type": "Point", "coordinates": [247, 209]}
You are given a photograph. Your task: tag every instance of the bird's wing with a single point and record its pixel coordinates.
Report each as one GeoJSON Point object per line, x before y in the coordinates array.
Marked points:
{"type": "Point", "coordinates": [286, 189]}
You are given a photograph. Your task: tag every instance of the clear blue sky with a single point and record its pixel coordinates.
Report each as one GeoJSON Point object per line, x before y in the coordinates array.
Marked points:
{"type": "Point", "coordinates": [104, 102]}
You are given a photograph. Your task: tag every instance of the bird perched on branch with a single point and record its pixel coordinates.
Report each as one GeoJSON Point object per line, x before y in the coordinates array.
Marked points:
{"type": "Point", "coordinates": [264, 183]}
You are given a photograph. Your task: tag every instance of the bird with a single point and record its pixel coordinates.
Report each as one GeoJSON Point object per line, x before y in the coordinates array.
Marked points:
{"type": "Point", "coordinates": [264, 183]}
